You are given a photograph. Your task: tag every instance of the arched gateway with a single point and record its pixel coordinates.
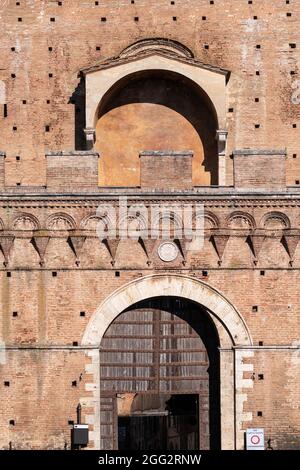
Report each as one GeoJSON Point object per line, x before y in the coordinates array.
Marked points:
{"type": "Point", "coordinates": [163, 349]}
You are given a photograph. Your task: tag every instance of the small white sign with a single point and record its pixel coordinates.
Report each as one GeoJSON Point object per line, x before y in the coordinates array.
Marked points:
{"type": "Point", "coordinates": [81, 426]}
{"type": "Point", "coordinates": [255, 439]}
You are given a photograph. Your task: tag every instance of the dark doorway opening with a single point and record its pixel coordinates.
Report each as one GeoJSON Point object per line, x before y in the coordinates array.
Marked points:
{"type": "Point", "coordinates": [172, 425]}
{"type": "Point", "coordinates": [157, 349]}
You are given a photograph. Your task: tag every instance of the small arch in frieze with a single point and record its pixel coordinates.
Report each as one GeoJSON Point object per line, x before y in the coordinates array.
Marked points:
{"type": "Point", "coordinates": [211, 221]}
{"type": "Point", "coordinates": [171, 215]}
{"type": "Point", "coordinates": [167, 223]}
{"type": "Point", "coordinates": [92, 222]}
{"type": "Point", "coordinates": [25, 222]}
{"type": "Point", "coordinates": [134, 223]}
{"type": "Point", "coordinates": [275, 221]}
{"type": "Point", "coordinates": [60, 221]}
{"type": "Point", "coordinates": [241, 220]}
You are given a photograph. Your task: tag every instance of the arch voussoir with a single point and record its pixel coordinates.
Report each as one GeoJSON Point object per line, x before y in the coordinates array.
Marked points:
{"type": "Point", "coordinates": [167, 285]}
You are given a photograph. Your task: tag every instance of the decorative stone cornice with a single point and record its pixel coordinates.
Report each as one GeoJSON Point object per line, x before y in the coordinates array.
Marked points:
{"type": "Point", "coordinates": [207, 195]}
{"type": "Point", "coordinates": [29, 199]}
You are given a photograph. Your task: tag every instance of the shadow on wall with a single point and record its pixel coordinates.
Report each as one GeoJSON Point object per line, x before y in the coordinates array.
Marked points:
{"type": "Point", "coordinates": [78, 100]}
{"type": "Point", "coordinates": [153, 110]}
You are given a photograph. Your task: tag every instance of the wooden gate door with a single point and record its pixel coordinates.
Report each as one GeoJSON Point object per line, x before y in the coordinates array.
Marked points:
{"type": "Point", "coordinates": [153, 348]}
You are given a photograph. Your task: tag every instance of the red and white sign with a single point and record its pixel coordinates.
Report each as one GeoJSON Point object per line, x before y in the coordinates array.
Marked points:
{"type": "Point", "coordinates": [255, 439]}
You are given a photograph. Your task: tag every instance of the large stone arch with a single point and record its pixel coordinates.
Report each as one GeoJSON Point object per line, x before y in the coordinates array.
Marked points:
{"type": "Point", "coordinates": [158, 285]}
{"type": "Point", "coordinates": [235, 346]}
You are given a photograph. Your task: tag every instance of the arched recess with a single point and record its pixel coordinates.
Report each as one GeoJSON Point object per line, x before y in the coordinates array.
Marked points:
{"type": "Point", "coordinates": [155, 110]}
{"type": "Point", "coordinates": [233, 336]}
{"type": "Point", "coordinates": [166, 58]}
{"type": "Point", "coordinates": [161, 354]}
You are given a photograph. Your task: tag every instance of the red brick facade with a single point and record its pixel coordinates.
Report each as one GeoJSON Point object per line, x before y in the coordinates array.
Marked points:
{"type": "Point", "coordinates": [56, 271]}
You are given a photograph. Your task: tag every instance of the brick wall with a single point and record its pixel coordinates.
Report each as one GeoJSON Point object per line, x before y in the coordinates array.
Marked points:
{"type": "Point", "coordinates": [49, 292]}
{"type": "Point", "coordinates": [166, 170]}
{"type": "Point", "coordinates": [78, 38]}
{"type": "Point", "coordinates": [272, 368]}
{"type": "Point", "coordinates": [258, 169]}
{"type": "Point", "coordinates": [70, 170]}
{"type": "Point", "coordinates": [45, 308]}
{"type": "Point", "coordinates": [49, 315]}
{"type": "Point", "coordinates": [2, 173]}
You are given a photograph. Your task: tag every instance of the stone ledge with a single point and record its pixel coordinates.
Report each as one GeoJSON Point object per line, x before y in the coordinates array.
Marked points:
{"type": "Point", "coordinates": [257, 152]}
{"type": "Point", "coordinates": [166, 153]}
{"type": "Point", "coordinates": [70, 153]}
{"type": "Point", "coordinates": [274, 197]}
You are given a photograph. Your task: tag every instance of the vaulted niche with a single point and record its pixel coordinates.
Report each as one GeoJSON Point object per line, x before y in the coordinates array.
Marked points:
{"type": "Point", "coordinates": [155, 110]}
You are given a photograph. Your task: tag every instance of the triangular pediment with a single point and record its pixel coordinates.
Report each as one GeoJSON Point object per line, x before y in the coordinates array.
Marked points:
{"type": "Point", "coordinates": [148, 57]}
{"type": "Point", "coordinates": [170, 50]}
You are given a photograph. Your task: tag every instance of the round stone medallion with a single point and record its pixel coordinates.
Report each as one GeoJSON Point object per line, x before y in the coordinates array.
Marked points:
{"type": "Point", "coordinates": [167, 251]}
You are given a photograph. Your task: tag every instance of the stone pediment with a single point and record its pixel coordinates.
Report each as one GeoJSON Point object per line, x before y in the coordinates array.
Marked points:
{"type": "Point", "coordinates": [154, 55]}
{"type": "Point", "coordinates": [154, 47]}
